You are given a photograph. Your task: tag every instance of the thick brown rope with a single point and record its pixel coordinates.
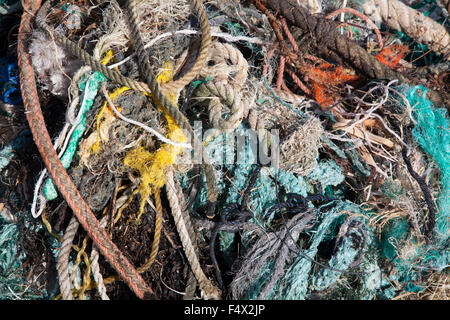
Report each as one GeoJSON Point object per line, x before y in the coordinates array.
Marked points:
{"type": "Point", "coordinates": [329, 42]}
{"type": "Point", "coordinates": [65, 184]}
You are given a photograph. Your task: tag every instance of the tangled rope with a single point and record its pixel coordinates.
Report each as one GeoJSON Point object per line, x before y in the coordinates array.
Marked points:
{"type": "Point", "coordinates": [152, 87]}
{"type": "Point", "coordinates": [273, 247]}
{"type": "Point", "coordinates": [163, 99]}
{"type": "Point", "coordinates": [329, 42]}
{"type": "Point", "coordinates": [57, 171]}
{"type": "Point", "coordinates": [229, 70]}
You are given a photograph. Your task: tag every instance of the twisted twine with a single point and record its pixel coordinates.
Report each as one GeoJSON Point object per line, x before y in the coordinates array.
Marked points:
{"type": "Point", "coordinates": [157, 233]}
{"type": "Point", "coordinates": [95, 268]}
{"type": "Point", "coordinates": [187, 236]}
{"type": "Point", "coordinates": [62, 264]}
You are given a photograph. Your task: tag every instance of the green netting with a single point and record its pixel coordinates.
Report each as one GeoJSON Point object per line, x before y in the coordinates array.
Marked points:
{"type": "Point", "coordinates": [397, 245]}
{"type": "Point", "coordinates": [300, 277]}
{"type": "Point", "coordinates": [431, 133]}
{"type": "Point", "coordinates": [14, 284]}
{"type": "Point", "coordinates": [303, 277]}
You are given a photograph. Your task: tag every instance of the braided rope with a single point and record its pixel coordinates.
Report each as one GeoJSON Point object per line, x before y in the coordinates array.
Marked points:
{"type": "Point", "coordinates": [187, 236]}
{"type": "Point", "coordinates": [330, 43]}
{"type": "Point", "coordinates": [65, 184]}
{"type": "Point", "coordinates": [62, 265]}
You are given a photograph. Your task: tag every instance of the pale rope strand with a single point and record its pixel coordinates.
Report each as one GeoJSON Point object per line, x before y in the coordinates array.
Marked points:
{"type": "Point", "coordinates": [182, 222]}
{"type": "Point", "coordinates": [95, 268]}
{"type": "Point", "coordinates": [222, 35]}
{"type": "Point", "coordinates": [62, 264]}
{"type": "Point", "coordinates": [139, 124]}
{"type": "Point", "coordinates": [400, 17]}
{"type": "Point", "coordinates": [342, 18]}
{"type": "Point", "coordinates": [444, 4]}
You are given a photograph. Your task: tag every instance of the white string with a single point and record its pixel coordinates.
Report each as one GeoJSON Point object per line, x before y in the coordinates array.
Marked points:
{"type": "Point", "coordinates": [222, 35]}
{"type": "Point", "coordinates": [143, 126]}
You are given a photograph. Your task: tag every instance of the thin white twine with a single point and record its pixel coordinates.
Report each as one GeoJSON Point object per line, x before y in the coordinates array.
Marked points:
{"type": "Point", "coordinates": [222, 35]}
{"type": "Point", "coordinates": [143, 126]}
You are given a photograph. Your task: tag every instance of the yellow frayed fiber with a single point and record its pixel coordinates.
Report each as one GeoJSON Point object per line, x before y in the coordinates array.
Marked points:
{"type": "Point", "coordinates": [108, 56]}
{"type": "Point", "coordinates": [96, 148]}
{"type": "Point", "coordinates": [152, 166]}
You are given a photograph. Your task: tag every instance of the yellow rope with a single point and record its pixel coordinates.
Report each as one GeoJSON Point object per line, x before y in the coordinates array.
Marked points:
{"type": "Point", "coordinates": [77, 263]}
{"type": "Point", "coordinates": [49, 227]}
{"type": "Point", "coordinates": [125, 205]}
{"type": "Point", "coordinates": [157, 235]}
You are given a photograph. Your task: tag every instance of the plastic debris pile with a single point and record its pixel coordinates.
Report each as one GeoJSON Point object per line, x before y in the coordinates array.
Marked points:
{"type": "Point", "coordinates": [260, 149]}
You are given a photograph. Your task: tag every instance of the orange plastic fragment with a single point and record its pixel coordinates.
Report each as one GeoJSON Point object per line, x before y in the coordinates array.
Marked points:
{"type": "Point", "coordinates": [392, 55]}
{"type": "Point", "coordinates": [325, 78]}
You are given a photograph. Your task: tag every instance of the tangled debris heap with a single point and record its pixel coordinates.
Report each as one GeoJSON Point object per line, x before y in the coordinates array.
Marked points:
{"type": "Point", "coordinates": [341, 190]}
